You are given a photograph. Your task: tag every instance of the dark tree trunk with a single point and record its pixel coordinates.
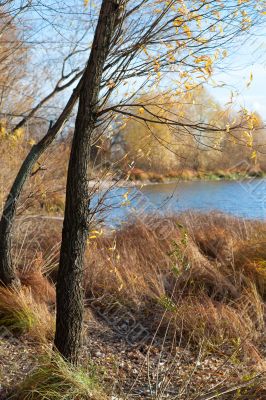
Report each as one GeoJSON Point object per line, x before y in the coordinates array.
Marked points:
{"type": "Point", "coordinates": [7, 272]}
{"type": "Point", "coordinates": [69, 291]}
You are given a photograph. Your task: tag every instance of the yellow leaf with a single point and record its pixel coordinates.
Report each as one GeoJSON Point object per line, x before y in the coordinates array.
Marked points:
{"type": "Point", "coordinates": [177, 22]}
{"type": "Point", "coordinates": [254, 155]}
{"type": "Point", "coordinates": [189, 86]}
{"type": "Point", "coordinates": [97, 232]}
{"type": "Point", "coordinates": [111, 84]}
{"type": "Point", "coordinates": [125, 195]}
{"type": "Point", "coordinates": [32, 142]}
{"type": "Point", "coordinates": [187, 31]}
{"type": "Point", "coordinates": [123, 126]}
{"type": "Point", "coordinates": [125, 203]}
{"type": "Point", "coordinates": [250, 79]}
{"type": "Point", "coordinates": [225, 53]}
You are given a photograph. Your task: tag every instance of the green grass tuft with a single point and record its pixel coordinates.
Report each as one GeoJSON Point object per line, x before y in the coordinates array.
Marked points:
{"type": "Point", "coordinates": [20, 313]}
{"type": "Point", "coordinates": [56, 379]}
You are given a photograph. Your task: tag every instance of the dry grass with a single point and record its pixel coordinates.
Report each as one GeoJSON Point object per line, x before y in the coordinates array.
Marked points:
{"type": "Point", "coordinates": [21, 314]}
{"type": "Point", "coordinates": [36, 247]}
{"type": "Point", "coordinates": [198, 276]}
{"type": "Point", "coordinates": [204, 280]}
{"type": "Point", "coordinates": [251, 388]}
{"type": "Point", "coordinates": [56, 379]}
{"type": "Point", "coordinates": [138, 174]}
{"type": "Point", "coordinates": [33, 277]}
{"type": "Point", "coordinates": [197, 279]}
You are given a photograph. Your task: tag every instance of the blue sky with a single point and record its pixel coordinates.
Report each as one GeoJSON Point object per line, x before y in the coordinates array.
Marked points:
{"type": "Point", "coordinates": [243, 60]}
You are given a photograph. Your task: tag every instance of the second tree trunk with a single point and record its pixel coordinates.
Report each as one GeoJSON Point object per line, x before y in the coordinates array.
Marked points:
{"type": "Point", "coordinates": [75, 228]}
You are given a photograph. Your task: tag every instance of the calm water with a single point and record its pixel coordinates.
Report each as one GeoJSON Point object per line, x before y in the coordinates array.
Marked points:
{"type": "Point", "coordinates": [245, 199]}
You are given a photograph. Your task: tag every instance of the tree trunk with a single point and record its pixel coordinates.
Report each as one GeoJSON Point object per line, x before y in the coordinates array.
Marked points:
{"type": "Point", "coordinates": [7, 272]}
{"type": "Point", "coordinates": [69, 291]}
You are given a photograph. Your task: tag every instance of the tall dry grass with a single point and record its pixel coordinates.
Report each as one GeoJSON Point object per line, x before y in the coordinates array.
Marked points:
{"type": "Point", "coordinates": [36, 245]}
{"type": "Point", "coordinates": [21, 314]}
{"type": "Point", "coordinates": [56, 379]}
{"type": "Point", "coordinates": [204, 280]}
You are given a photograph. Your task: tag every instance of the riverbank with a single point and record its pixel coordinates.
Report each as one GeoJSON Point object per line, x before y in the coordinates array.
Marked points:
{"type": "Point", "coordinates": [175, 306]}
{"type": "Point", "coordinates": [148, 177]}
{"type": "Point", "coordinates": [141, 178]}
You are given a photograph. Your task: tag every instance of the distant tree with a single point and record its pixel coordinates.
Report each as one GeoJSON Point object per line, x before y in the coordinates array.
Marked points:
{"type": "Point", "coordinates": [151, 146]}
{"type": "Point", "coordinates": [162, 148]}
{"type": "Point", "coordinates": [242, 146]}
{"type": "Point", "coordinates": [14, 55]}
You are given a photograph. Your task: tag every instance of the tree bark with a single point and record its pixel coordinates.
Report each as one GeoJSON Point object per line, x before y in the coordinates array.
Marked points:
{"type": "Point", "coordinates": [69, 291]}
{"type": "Point", "coordinates": [7, 271]}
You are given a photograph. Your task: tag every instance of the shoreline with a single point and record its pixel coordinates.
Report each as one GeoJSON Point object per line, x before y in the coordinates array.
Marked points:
{"type": "Point", "coordinates": [124, 183]}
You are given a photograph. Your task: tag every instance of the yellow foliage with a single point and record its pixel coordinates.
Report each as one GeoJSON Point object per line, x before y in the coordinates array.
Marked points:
{"type": "Point", "coordinates": [32, 142]}
{"type": "Point", "coordinates": [187, 31]}
{"type": "Point", "coordinates": [147, 143]}
{"type": "Point", "coordinates": [14, 137]}
{"type": "Point", "coordinates": [2, 131]}
{"type": "Point", "coordinates": [254, 155]}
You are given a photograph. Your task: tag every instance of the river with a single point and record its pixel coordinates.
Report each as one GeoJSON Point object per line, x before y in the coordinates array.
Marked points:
{"type": "Point", "coordinates": [244, 198]}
